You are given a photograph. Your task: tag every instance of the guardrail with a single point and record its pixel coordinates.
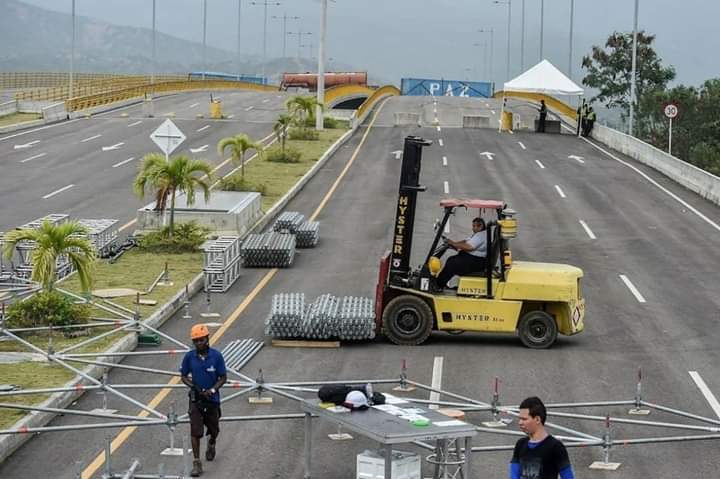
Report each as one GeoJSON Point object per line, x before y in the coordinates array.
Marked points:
{"type": "Point", "coordinates": [92, 85]}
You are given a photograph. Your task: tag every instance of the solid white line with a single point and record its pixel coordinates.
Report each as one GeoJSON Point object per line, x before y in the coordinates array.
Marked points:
{"type": "Point", "coordinates": [522, 145]}
{"type": "Point", "coordinates": [194, 105]}
{"type": "Point", "coordinates": [203, 128]}
{"type": "Point", "coordinates": [540, 164]}
{"type": "Point", "coordinates": [709, 396]}
{"type": "Point", "coordinates": [91, 138]}
{"type": "Point", "coordinates": [50, 195]}
{"type": "Point", "coordinates": [444, 160]}
{"type": "Point", "coordinates": [123, 162]}
{"type": "Point", "coordinates": [446, 187]}
{"type": "Point", "coordinates": [588, 230]}
{"type": "Point", "coordinates": [632, 289]}
{"type": "Point", "coordinates": [33, 157]}
{"type": "Point", "coordinates": [560, 192]}
{"type": "Point", "coordinates": [249, 108]}
{"type": "Point", "coordinates": [135, 123]}
{"type": "Point", "coordinates": [440, 142]}
{"type": "Point", "coordinates": [436, 380]}
{"type": "Point", "coordinates": [38, 129]}
{"type": "Point", "coordinates": [655, 183]}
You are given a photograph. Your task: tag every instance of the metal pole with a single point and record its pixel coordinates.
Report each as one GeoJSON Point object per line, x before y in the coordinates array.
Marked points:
{"type": "Point", "coordinates": [492, 52]}
{"type": "Point", "coordinates": [284, 34]}
{"type": "Point", "coordinates": [204, 53]}
{"type": "Point", "coordinates": [634, 68]}
{"type": "Point", "coordinates": [522, 37]}
{"type": "Point", "coordinates": [71, 88]}
{"type": "Point", "coordinates": [154, 51]}
{"type": "Point", "coordinates": [509, 26]}
{"type": "Point", "coordinates": [319, 120]}
{"type": "Point", "coordinates": [265, 40]}
{"type": "Point", "coordinates": [542, 28]}
{"type": "Point", "coordinates": [239, 18]}
{"type": "Point", "coordinates": [670, 139]}
{"type": "Point", "coordinates": [570, 54]}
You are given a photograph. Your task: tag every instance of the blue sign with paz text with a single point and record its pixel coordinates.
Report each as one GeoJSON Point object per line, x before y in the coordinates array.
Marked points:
{"type": "Point", "coordinates": [427, 87]}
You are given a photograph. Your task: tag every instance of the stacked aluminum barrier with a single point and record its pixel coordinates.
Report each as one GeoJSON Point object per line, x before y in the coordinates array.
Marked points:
{"type": "Point", "coordinates": [24, 267]}
{"type": "Point", "coordinates": [102, 234]}
{"type": "Point", "coordinates": [268, 250]}
{"type": "Point", "coordinates": [347, 318]}
{"type": "Point", "coordinates": [308, 234]}
{"type": "Point", "coordinates": [286, 315]}
{"type": "Point", "coordinates": [221, 263]}
{"type": "Point", "coordinates": [289, 221]}
{"type": "Point", "coordinates": [239, 352]}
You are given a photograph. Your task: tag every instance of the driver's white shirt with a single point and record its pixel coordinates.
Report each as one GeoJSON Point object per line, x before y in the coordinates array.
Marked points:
{"type": "Point", "coordinates": [479, 243]}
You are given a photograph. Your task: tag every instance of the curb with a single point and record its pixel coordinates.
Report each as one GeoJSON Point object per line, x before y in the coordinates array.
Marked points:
{"type": "Point", "coordinates": [21, 126]}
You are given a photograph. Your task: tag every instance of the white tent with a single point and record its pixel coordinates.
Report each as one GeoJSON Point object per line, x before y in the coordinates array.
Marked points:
{"type": "Point", "coordinates": [544, 78]}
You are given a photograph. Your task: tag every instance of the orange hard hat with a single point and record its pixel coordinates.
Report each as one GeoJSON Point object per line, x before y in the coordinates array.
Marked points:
{"type": "Point", "coordinates": [199, 331]}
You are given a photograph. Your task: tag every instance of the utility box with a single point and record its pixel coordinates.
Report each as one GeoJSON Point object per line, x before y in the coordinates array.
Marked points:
{"type": "Point", "coordinates": [507, 121]}
{"type": "Point", "coordinates": [216, 110]}
{"type": "Point", "coordinates": [405, 465]}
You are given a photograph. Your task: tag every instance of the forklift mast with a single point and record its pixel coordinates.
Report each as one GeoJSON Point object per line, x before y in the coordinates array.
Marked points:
{"type": "Point", "coordinates": [407, 201]}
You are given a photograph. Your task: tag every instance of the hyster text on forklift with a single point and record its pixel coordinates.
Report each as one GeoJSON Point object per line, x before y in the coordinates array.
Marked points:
{"type": "Point", "coordinates": [536, 301]}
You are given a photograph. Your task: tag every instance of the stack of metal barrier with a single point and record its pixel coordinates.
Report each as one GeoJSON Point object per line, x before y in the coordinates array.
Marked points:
{"type": "Point", "coordinates": [289, 221]}
{"type": "Point", "coordinates": [268, 250]}
{"type": "Point", "coordinates": [321, 318]}
{"type": "Point", "coordinates": [356, 318]}
{"type": "Point", "coordinates": [102, 234]}
{"type": "Point", "coordinates": [308, 234]}
{"type": "Point", "coordinates": [24, 267]}
{"type": "Point", "coordinates": [221, 263]}
{"type": "Point", "coordinates": [286, 315]}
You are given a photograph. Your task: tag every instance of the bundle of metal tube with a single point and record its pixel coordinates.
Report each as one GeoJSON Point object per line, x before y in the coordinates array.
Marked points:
{"type": "Point", "coordinates": [239, 352]}
{"type": "Point", "coordinates": [289, 221]}
{"type": "Point", "coordinates": [357, 318]}
{"type": "Point", "coordinates": [321, 318]}
{"type": "Point", "coordinates": [308, 234]}
{"type": "Point", "coordinates": [286, 315]}
{"type": "Point", "coordinates": [268, 250]}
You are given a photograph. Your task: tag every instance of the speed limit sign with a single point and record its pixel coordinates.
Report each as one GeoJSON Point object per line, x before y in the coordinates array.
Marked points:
{"type": "Point", "coordinates": [671, 110]}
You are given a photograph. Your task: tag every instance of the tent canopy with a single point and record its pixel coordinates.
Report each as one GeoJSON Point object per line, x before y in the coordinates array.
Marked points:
{"type": "Point", "coordinates": [544, 78]}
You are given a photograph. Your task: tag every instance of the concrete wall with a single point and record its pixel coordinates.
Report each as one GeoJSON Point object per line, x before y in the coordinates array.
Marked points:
{"type": "Point", "coordinates": [54, 112]}
{"type": "Point", "coordinates": [407, 119]}
{"type": "Point", "coordinates": [690, 176]}
{"type": "Point", "coordinates": [8, 108]}
{"type": "Point", "coordinates": [475, 121]}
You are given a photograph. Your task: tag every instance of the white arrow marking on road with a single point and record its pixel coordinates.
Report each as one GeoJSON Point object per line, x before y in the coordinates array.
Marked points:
{"type": "Point", "coordinates": [588, 230]}
{"type": "Point", "coordinates": [446, 187]}
{"type": "Point", "coordinates": [488, 155]}
{"type": "Point", "coordinates": [540, 164]}
{"type": "Point", "coordinates": [440, 142]}
{"type": "Point", "coordinates": [33, 157]}
{"type": "Point", "coordinates": [249, 108]}
{"type": "Point", "coordinates": [580, 159]}
{"type": "Point", "coordinates": [194, 105]}
{"type": "Point", "coordinates": [199, 150]}
{"type": "Point", "coordinates": [632, 289]}
{"type": "Point", "coordinates": [50, 195]}
{"type": "Point", "coordinates": [135, 123]}
{"type": "Point", "coordinates": [114, 147]}
{"type": "Point", "coordinates": [203, 128]}
{"type": "Point", "coordinates": [709, 396]}
{"type": "Point", "coordinates": [26, 145]}
{"type": "Point", "coordinates": [117, 165]}
{"type": "Point", "coordinates": [397, 153]}
{"type": "Point", "coordinates": [522, 145]}
{"type": "Point", "coordinates": [90, 139]}
{"type": "Point", "coordinates": [444, 160]}
{"type": "Point", "coordinates": [560, 192]}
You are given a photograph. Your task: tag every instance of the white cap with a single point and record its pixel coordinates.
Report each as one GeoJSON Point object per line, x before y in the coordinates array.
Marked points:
{"type": "Point", "coordinates": [356, 399]}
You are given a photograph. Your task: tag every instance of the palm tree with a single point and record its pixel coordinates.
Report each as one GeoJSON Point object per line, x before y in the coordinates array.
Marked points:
{"type": "Point", "coordinates": [304, 106]}
{"type": "Point", "coordinates": [181, 173]}
{"type": "Point", "coordinates": [53, 241]}
{"type": "Point", "coordinates": [239, 145]}
{"type": "Point", "coordinates": [281, 128]}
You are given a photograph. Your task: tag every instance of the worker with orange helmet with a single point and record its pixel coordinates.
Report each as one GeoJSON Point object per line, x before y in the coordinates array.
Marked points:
{"type": "Point", "coordinates": [203, 371]}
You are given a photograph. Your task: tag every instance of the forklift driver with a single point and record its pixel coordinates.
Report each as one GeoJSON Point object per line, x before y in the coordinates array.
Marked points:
{"type": "Point", "coordinates": [471, 257]}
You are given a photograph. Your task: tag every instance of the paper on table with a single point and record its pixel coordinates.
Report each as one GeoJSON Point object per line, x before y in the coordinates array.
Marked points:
{"type": "Point", "coordinates": [452, 422]}
{"type": "Point", "coordinates": [390, 399]}
{"type": "Point", "coordinates": [413, 417]}
{"type": "Point", "coordinates": [390, 409]}
{"type": "Point", "coordinates": [413, 410]}
{"type": "Point", "coordinates": [338, 409]}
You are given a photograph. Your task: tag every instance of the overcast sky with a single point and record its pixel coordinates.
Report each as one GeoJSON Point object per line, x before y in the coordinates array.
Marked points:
{"type": "Point", "coordinates": [434, 38]}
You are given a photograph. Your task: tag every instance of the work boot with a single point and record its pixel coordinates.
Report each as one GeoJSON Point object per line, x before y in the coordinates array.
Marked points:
{"type": "Point", "coordinates": [197, 468]}
{"type": "Point", "coordinates": [210, 452]}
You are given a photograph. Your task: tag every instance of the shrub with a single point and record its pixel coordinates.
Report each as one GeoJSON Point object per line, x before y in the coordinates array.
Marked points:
{"type": "Point", "coordinates": [328, 122]}
{"type": "Point", "coordinates": [238, 183]}
{"type": "Point", "coordinates": [304, 134]}
{"type": "Point", "coordinates": [46, 308]}
{"type": "Point", "coordinates": [187, 237]}
{"type": "Point", "coordinates": [277, 155]}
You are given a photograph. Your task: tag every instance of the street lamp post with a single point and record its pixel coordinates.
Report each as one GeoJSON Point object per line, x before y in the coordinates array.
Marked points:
{"type": "Point", "coordinates": [509, 26]}
{"type": "Point", "coordinates": [491, 31]}
{"type": "Point", "coordinates": [71, 86]}
{"type": "Point", "coordinates": [483, 46]}
{"type": "Point", "coordinates": [239, 19]}
{"type": "Point", "coordinates": [634, 68]}
{"type": "Point", "coordinates": [285, 18]}
{"type": "Point", "coordinates": [265, 4]}
{"type": "Point", "coordinates": [204, 53]}
{"type": "Point", "coordinates": [570, 54]}
{"type": "Point", "coordinates": [319, 120]}
{"type": "Point", "coordinates": [154, 50]}
{"type": "Point", "coordinates": [300, 34]}
{"type": "Point", "coordinates": [542, 29]}
{"type": "Point", "coordinates": [522, 37]}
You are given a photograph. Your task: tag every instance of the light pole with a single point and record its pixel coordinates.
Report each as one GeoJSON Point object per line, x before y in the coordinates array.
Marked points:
{"type": "Point", "coordinates": [239, 18]}
{"type": "Point", "coordinates": [509, 26]}
{"type": "Point", "coordinates": [483, 45]}
{"type": "Point", "coordinates": [491, 31]}
{"type": "Point", "coordinates": [71, 86]}
{"type": "Point", "coordinates": [300, 34]}
{"type": "Point", "coordinates": [542, 29]}
{"type": "Point", "coordinates": [204, 54]}
{"type": "Point", "coordinates": [522, 37]}
{"type": "Point", "coordinates": [265, 4]}
{"type": "Point", "coordinates": [285, 18]}
{"type": "Point", "coordinates": [634, 68]}
{"type": "Point", "coordinates": [154, 50]}
{"type": "Point", "coordinates": [570, 55]}
{"type": "Point", "coordinates": [319, 120]}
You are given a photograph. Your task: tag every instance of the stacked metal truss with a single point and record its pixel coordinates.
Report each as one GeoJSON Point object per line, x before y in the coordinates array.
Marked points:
{"type": "Point", "coordinates": [306, 232]}
{"type": "Point", "coordinates": [221, 263]}
{"type": "Point", "coordinates": [289, 221]}
{"type": "Point", "coordinates": [25, 249]}
{"type": "Point", "coordinates": [268, 250]}
{"type": "Point", "coordinates": [347, 318]}
{"type": "Point", "coordinates": [239, 352]}
{"type": "Point", "coordinates": [102, 234]}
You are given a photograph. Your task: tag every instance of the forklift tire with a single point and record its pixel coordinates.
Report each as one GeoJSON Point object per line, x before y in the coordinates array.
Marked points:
{"type": "Point", "coordinates": [537, 330]}
{"type": "Point", "coordinates": [407, 320]}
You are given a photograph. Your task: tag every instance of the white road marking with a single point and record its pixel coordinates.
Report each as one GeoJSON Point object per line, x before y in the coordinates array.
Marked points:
{"type": "Point", "coordinates": [488, 155]}
{"type": "Point", "coordinates": [511, 132]}
{"type": "Point", "coordinates": [266, 100]}
{"type": "Point", "coordinates": [278, 96]}
{"type": "Point", "coordinates": [117, 165]}
{"type": "Point", "coordinates": [230, 117]}
{"type": "Point", "coordinates": [202, 149]}
{"type": "Point", "coordinates": [38, 129]}
{"type": "Point", "coordinates": [540, 164]}
{"type": "Point", "coordinates": [655, 183]}
{"type": "Point", "coordinates": [632, 289]}
{"type": "Point", "coordinates": [436, 380]}
{"type": "Point", "coordinates": [522, 145]}
{"type": "Point", "coordinates": [487, 105]}
{"type": "Point", "coordinates": [438, 129]}
{"type": "Point", "coordinates": [90, 139]}
{"type": "Point", "coordinates": [446, 187]}
{"type": "Point", "coordinates": [444, 160]}
{"type": "Point", "coordinates": [194, 105]}
{"type": "Point", "coordinates": [113, 147]}
{"type": "Point", "coordinates": [447, 228]}
{"type": "Point", "coordinates": [579, 159]}
{"type": "Point", "coordinates": [440, 142]}
{"type": "Point", "coordinates": [560, 191]}
{"type": "Point", "coordinates": [64, 188]}
{"type": "Point", "coordinates": [135, 123]}
{"type": "Point", "coordinates": [35, 157]}
{"type": "Point", "coordinates": [709, 396]}
{"type": "Point", "coordinates": [398, 154]}
{"type": "Point", "coordinates": [26, 145]}
{"type": "Point", "coordinates": [203, 128]}
{"type": "Point", "coordinates": [493, 112]}
{"type": "Point", "coordinates": [249, 108]}
{"type": "Point", "coordinates": [588, 230]}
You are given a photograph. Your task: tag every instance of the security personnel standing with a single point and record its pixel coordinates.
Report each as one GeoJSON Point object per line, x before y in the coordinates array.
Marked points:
{"type": "Point", "coordinates": [543, 117]}
{"type": "Point", "coordinates": [203, 371]}
{"type": "Point", "coordinates": [581, 117]}
{"type": "Point", "coordinates": [590, 123]}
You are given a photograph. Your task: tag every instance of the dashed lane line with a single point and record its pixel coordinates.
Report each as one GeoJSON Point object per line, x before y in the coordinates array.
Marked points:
{"type": "Point", "coordinates": [444, 158]}
{"type": "Point", "coordinates": [640, 298]}
{"type": "Point", "coordinates": [117, 165]}
{"type": "Point", "coordinates": [203, 128]}
{"type": "Point", "coordinates": [440, 142]}
{"type": "Point", "coordinates": [57, 192]}
{"type": "Point", "coordinates": [522, 145]}
{"type": "Point", "coordinates": [136, 123]}
{"type": "Point", "coordinates": [95, 137]}
{"type": "Point", "coordinates": [705, 390]}
{"type": "Point", "coordinates": [194, 105]}
{"type": "Point", "coordinates": [588, 230]}
{"type": "Point", "coordinates": [539, 163]}
{"type": "Point", "coordinates": [249, 108]}
{"type": "Point", "coordinates": [34, 157]}
{"type": "Point", "coordinates": [560, 192]}
{"type": "Point", "coordinates": [446, 187]}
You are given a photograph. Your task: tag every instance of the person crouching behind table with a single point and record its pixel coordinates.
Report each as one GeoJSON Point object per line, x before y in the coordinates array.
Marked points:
{"type": "Point", "coordinates": [203, 371]}
{"type": "Point", "coordinates": [471, 257]}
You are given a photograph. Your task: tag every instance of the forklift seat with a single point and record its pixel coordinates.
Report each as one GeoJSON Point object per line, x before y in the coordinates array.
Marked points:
{"type": "Point", "coordinates": [493, 253]}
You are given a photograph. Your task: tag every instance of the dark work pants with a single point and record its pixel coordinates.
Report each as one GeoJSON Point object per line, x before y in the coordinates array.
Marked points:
{"type": "Point", "coordinates": [460, 264]}
{"type": "Point", "coordinates": [541, 123]}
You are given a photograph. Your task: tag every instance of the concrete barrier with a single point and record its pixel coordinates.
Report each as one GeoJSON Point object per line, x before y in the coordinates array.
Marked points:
{"type": "Point", "coordinates": [54, 112]}
{"type": "Point", "coordinates": [551, 126]}
{"type": "Point", "coordinates": [8, 108]}
{"type": "Point", "coordinates": [693, 178]}
{"type": "Point", "coordinates": [407, 119]}
{"type": "Point", "coordinates": [475, 121]}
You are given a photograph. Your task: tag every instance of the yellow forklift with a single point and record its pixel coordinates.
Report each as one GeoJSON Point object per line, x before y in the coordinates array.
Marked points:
{"type": "Point", "coordinates": [536, 301]}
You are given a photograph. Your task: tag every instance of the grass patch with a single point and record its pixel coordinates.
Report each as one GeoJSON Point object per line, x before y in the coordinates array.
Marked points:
{"type": "Point", "coordinates": [15, 118]}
